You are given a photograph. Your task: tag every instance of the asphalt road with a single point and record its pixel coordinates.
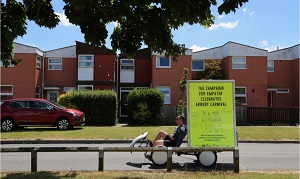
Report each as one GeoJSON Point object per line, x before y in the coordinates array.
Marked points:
{"type": "Point", "coordinates": [253, 157]}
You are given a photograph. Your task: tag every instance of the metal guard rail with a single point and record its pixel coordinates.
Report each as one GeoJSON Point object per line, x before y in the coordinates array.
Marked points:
{"type": "Point", "coordinates": [101, 151]}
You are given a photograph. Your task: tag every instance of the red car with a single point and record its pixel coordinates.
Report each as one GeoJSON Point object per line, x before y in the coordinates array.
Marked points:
{"type": "Point", "coordinates": [38, 112]}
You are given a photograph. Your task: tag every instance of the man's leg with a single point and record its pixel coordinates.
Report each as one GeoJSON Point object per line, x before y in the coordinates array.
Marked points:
{"type": "Point", "coordinates": [161, 134]}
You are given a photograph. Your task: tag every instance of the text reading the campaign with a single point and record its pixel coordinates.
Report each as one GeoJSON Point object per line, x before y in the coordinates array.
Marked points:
{"type": "Point", "coordinates": [210, 96]}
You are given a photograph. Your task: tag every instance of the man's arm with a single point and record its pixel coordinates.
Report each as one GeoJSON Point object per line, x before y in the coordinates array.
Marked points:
{"type": "Point", "coordinates": [181, 136]}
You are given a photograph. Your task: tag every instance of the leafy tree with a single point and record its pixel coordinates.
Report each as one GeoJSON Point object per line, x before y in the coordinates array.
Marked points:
{"type": "Point", "coordinates": [212, 70]}
{"type": "Point", "coordinates": [147, 21]}
{"type": "Point", "coordinates": [182, 88]}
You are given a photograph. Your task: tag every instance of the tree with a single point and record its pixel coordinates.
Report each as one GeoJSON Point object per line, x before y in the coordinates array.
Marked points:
{"type": "Point", "coordinates": [212, 70]}
{"type": "Point", "coordinates": [182, 88]}
{"type": "Point", "coordinates": [147, 21]}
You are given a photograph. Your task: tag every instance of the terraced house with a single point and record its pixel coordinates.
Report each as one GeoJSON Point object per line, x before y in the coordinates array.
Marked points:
{"type": "Point", "coordinates": [262, 78]}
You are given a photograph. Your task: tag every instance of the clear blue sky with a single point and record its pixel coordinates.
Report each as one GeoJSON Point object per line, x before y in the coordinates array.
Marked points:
{"type": "Point", "coordinates": [265, 24]}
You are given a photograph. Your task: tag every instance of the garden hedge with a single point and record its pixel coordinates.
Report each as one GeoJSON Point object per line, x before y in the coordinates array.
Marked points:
{"type": "Point", "coordinates": [99, 106]}
{"type": "Point", "coordinates": [144, 106]}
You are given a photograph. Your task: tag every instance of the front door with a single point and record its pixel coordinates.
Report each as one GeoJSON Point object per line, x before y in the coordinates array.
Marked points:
{"type": "Point", "coordinates": [52, 95]}
{"type": "Point", "coordinates": [124, 91]}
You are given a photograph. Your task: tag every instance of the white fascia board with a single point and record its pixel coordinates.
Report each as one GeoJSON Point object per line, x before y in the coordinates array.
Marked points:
{"type": "Point", "coordinates": [235, 49]}
{"type": "Point", "coordinates": [214, 53]}
{"type": "Point", "coordinates": [67, 52]}
{"type": "Point", "coordinates": [290, 53]}
{"type": "Point", "coordinates": [21, 48]}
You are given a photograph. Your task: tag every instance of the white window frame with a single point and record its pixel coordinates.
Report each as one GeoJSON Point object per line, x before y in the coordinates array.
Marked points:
{"type": "Point", "coordinates": [7, 94]}
{"type": "Point", "coordinates": [197, 69]}
{"type": "Point", "coordinates": [282, 90]}
{"type": "Point", "coordinates": [242, 95]}
{"type": "Point", "coordinates": [66, 89]}
{"type": "Point", "coordinates": [127, 64]}
{"type": "Point", "coordinates": [54, 64]}
{"type": "Point", "coordinates": [158, 62]}
{"type": "Point", "coordinates": [52, 92]}
{"type": "Point", "coordinates": [271, 65]}
{"type": "Point", "coordinates": [83, 86]}
{"type": "Point", "coordinates": [38, 61]}
{"type": "Point", "coordinates": [85, 61]}
{"type": "Point", "coordinates": [167, 100]}
{"type": "Point", "coordinates": [240, 65]}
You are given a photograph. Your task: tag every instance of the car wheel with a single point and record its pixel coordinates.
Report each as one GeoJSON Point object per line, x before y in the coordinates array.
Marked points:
{"type": "Point", "coordinates": [63, 124]}
{"type": "Point", "coordinates": [7, 124]}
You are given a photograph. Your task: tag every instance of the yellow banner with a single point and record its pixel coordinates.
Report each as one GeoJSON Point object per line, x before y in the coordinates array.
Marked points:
{"type": "Point", "coordinates": [211, 113]}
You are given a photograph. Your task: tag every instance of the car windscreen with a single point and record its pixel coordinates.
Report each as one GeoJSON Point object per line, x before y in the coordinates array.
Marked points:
{"type": "Point", "coordinates": [56, 104]}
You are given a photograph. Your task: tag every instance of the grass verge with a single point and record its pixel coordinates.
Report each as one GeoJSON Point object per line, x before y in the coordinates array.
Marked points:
{"type": "Point", "coordinates": [150, 174]}
{"type": "Point", "coordinates": [128, 133]}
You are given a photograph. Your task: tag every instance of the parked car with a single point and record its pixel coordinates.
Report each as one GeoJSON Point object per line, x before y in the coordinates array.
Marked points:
{"type": "Point", "coordinates": [38, 112]}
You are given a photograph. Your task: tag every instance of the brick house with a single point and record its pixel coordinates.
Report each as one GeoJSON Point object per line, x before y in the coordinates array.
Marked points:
{"type": "Point", "coordinates": [51, 73]}
{"type": "Point", "coordinates": [283, 77]}
{"type": "Point", "coordinates": [151, 70]}
{"type": "Point", "coordinates": [262, 78]}
{"type": "Point", "coordinates": [25, 79]}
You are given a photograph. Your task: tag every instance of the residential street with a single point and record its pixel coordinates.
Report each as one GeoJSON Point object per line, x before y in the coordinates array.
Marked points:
{"type": "Point", "coordinates": [253, 157]}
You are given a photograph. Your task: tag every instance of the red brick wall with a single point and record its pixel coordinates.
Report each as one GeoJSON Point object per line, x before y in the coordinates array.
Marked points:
{"type": "Point", "coordinates": [104, 68]}
{"type": "Point", "coordinates": [285, 75]}
{"type": "Point", "coordinates": [254, 77]}
{"type": "Point", "coordinates": [142, 71]}
{"type": "Point", "coordinates": [295, 83]}
{"type": "Point", "coordinates": [171, 76]}
{"type": "Point", "coordinates": [23, 77]}
{"type": "Point", "coordinates": [66, 77]}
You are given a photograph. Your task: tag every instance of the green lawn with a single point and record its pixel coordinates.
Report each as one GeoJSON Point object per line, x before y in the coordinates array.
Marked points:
{"type": "Point", "coordinates": [128, 133]}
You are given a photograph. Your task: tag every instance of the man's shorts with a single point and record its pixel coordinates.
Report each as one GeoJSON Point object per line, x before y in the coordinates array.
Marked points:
{"type": "Point", "coordinates": [168, 142]}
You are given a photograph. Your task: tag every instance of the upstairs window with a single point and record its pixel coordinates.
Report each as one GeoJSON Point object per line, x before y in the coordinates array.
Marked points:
{"type": "Point", "coordinates": [198, 65]}
{"type": "Point", "coordinates": [9, 65]}
{"type": "Point", "coordinates": [270, 66]}
{"type": "Point", "coordinates": [127, 64]}
{"type": "Point", "coordinates": [238, 62]}
{"type": "Point", "coordinates": [54, 64]}
{"type": "Point", "coordinates": [86, 61]}
{"type": "Point", "coordinates": [163, 62]}
{"type": "Point", "coordinates": [38, 62]}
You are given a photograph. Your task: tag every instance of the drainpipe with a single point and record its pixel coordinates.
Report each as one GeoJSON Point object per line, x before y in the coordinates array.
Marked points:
{"type": "Point", "coordinates": [43, 75]}
{"type": "Point", "coordinates": [117, 72]}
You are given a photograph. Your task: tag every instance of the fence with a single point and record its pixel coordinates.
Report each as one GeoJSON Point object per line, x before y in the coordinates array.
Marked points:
{"type": "Point", "coordinates": [101, 151]}
{"type": "Point", "coordinates": [273, 116]}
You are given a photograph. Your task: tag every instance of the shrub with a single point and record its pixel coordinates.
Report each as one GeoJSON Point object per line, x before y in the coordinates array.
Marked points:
{"type": "Point", "coordinates": [143, 106]}
{"type": "Point", "coordinates": [99, 106]}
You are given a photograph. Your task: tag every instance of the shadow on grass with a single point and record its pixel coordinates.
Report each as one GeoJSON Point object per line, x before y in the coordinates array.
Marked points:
{"type": "Point", "coordinates": [38, 175]}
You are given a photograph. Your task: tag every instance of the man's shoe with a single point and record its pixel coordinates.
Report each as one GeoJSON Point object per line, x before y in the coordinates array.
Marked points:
{"type": "Point", "coordinates": [150, 143]}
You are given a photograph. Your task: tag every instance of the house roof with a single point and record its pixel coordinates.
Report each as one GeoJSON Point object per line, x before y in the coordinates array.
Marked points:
{"type": "Point", "coordinates": [22, 48]}
{"type": "Point", "coordinates": [290, 53]}
{"type": "Point", "coordinates": [229, 49]}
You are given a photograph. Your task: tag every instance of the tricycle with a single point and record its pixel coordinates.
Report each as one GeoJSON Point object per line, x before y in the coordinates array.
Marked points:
{"type": "Point", "coordinates": [205, 158]}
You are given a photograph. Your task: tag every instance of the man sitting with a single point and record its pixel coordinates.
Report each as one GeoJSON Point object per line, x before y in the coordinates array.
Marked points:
{"type": "Point", "coordinates": [171, 140]}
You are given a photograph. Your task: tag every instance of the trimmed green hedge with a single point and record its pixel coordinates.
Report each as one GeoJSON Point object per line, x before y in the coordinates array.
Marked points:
{"type": "Point", "coordinates": [143, 106]}
{"type": "Point", "coordinates": [99, 106]}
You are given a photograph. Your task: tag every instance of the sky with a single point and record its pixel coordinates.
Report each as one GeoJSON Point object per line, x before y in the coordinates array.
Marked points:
{"type": "Point", "coordinates": [264, 24]}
